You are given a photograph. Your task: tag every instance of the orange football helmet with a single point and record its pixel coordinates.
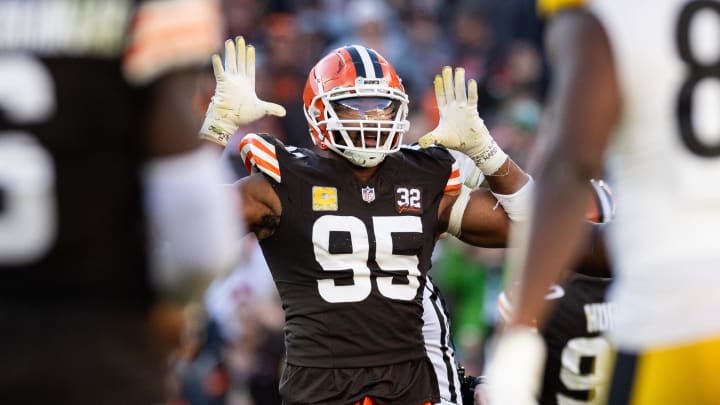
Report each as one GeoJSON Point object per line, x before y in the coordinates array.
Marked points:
{"type": "Point", "coordinates": [359, 80]}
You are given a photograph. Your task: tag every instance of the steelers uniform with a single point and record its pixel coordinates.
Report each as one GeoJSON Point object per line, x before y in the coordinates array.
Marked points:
{"type": "Point", "coordinates": [349, 260]}
{"type": "Point", "coordinates": [578, 354]}
{"type": "Point", "coordinates": [664, 162]}
{"type": "Point", "coordinates": [74, 291]}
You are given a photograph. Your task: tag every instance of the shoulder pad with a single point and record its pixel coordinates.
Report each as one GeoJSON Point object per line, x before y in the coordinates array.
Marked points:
{"type": "Point", "coordinates": [547, 8]}
{"type": "Point", "coordinates": [437, 151]}
{"type": "Point", "coordinates": [441, 154]}
{"type": "Point", "coordinates": [258, 154]}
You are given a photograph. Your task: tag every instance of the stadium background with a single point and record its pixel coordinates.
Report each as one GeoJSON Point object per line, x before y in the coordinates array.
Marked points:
{"type": "Point", "coordinates": [499, 45]}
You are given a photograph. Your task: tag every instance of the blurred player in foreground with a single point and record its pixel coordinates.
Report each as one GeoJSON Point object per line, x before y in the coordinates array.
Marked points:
{"type": "Point", "coordinates": [348, 231]}
{"type": "Point", "coordinates": [578, 352]}
{"type": "Point", "coordinates": [109, 207]}
{"type": "Point", "coordinates": [638, 80]}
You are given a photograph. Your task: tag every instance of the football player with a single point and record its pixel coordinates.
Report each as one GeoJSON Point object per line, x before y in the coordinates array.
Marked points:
{"type": "Point", "coordinates": [576, 367]}
{"type": "Point", "coordinates": [348, 230]}
{"type": "Point", "coordinates": [632, 82]}
{"type": "Point", "coordinates": [98, 145]}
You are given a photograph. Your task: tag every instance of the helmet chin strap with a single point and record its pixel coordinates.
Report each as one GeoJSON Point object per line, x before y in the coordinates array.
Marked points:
{"type": "Point", "coordinates": [362, 158]}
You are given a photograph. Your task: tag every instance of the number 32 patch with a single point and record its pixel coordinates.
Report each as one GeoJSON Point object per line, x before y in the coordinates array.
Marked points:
{"type": "Point", "coordinates": [408, 200]}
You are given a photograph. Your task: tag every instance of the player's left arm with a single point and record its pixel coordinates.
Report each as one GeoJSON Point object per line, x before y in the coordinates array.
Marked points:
{"type": "Point", "coordinates": [474, 216]}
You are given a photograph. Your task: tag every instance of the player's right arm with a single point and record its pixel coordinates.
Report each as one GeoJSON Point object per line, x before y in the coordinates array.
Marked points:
{"type": "Point", "coordinates": [261, 206]}
{"type": "Point", "coordinates": [235, 102]}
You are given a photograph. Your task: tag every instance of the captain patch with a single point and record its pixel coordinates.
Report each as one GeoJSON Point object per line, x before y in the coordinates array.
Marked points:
{"type": "Point", "coordinates": [408, 200]}
{"type": "Point", "coordinates": [324, 198]}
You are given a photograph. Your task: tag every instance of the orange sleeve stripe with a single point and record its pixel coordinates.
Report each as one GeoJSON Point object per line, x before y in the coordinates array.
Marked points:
{"type": "Point", "coordinates": [256, 151]}
{"type": "Point", "coordinates": [153, 59]}
{"type": "Point", "coordinates": [453, 187]}
{"type": "Point", "coordinates": [261, 144]}
{"type": "Point", "coordinates": [243, 142]}
{"type": "Point", "coordinates": [267, 166]}
{"type": "Point", "coordinates": [151, 16]}
{"type": "Point", "coordinates": [248, 160]}
{"type": "Point", "coordinates": [453, 183]}
{"type": "Point", "coordinates": [258, 143]}
{"type": "Point", "coordinates": [246, 152]}
{"type": "Point", "coordinates": [195, 38]}
{"type": "Point", "coordinates": [251, 159]}
{"type": "Point", "coordinates": [172, 34]}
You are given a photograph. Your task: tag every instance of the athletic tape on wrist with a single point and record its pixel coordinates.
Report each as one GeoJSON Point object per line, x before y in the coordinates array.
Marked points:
{"type": "Point", "coordinates": [490, 158]}
{"type": "Point", "coordinates": [458, 210]}
{"type": "Point", "coordinates": [517, 205]}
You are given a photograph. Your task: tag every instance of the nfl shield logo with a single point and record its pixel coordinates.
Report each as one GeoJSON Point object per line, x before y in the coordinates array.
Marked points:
{"type": "Point", "coordinates": [368, 194]}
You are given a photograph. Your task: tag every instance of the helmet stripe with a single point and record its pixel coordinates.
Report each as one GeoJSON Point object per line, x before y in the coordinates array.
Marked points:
{"type": "Point", "coordinates": [363, 62]}
{"type": "Point", "coordinates": [375, 63]}
{"type": "Point", "coordinates": [357, 60]}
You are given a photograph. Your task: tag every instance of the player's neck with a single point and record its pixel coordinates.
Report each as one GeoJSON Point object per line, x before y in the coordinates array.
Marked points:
{"type": "Point", "coordinates": [364, 174]}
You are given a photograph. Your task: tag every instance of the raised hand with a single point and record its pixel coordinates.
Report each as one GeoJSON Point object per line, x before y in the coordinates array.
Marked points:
{"type": "Point", "coordinates": [235, 102]}
{"type": "Point", "coordinates": [460, 126]}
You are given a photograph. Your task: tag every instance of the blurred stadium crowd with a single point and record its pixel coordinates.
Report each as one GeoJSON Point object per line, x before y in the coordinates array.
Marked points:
{"type": "Point", "coordinates": [499, 45]}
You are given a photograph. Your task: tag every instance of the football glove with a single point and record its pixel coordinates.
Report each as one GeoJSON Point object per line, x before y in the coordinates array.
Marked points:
{"type": "Point", "coordinates": [460, 126]}
{"type": "Point", "coordinates": [515, 368]}
{"type": "Point", "coordinates": [235, 102]}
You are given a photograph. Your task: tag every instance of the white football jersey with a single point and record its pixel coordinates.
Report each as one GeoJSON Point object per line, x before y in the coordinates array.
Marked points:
{"type": "Point", "coordinates": [664, 165]}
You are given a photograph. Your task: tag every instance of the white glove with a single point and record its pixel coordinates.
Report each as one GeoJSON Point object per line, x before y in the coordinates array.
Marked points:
{"type": "Point", "coordinates": [515, 368]}
{"type": "Point", "coordinates": [235, 102]}
{"type": "Point", "coordinates": [460, 126]}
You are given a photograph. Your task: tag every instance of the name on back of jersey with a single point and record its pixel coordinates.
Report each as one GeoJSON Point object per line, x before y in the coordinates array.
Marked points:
{"type": "Point", "coordinates": [599, 316]}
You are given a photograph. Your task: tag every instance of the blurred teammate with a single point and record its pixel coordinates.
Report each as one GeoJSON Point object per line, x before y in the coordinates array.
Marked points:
{"type": "Point", "coordinates": [348, 231]}
{"type": "Point", "coordinates": [98, 146]}
{"type": "Point", "coordinates": [638, 79]}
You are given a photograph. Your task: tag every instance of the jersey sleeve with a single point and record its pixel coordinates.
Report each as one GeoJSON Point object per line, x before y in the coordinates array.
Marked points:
{"type": "Point", "coordinates": [547, 8]}
{"type": "Point", "coordinates": [258, 154]}
{"type": "Point", "coordinates": [453, 183]}
{"type": "Point", "coordinates": [170, 34]}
